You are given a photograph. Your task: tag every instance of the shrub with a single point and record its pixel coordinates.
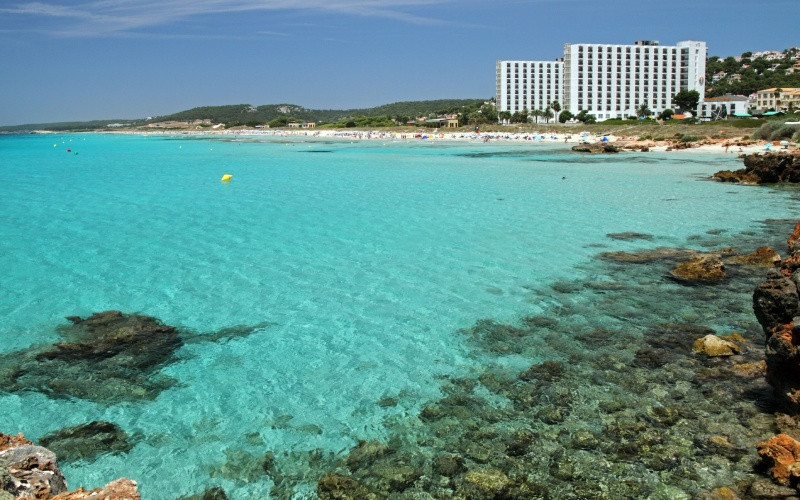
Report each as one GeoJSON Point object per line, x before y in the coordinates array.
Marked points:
{"type": "Point", "coordinates": [763, 132]}
{"type": "Point", "coordinates": [659, 138]}
{"type": "Point", "coordinates": [784, 132]}
{"type": "Point", "coordinates": [689, 138]}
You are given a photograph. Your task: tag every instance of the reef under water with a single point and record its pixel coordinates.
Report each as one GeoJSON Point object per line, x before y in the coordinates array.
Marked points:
{"type": "Point", "coordinates": [108, 357]}
{"type": "Point", "coordinates": [632, 406]}
{"type": "Point", "coordinates": [655, 389]}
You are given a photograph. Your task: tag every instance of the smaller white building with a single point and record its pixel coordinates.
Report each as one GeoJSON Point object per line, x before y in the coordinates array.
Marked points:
{"type": "Point", "coordinates": [720, 108]}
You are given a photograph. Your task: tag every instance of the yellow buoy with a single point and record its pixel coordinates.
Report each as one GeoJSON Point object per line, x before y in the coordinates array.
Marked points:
{"type": "Point", "coordinates": [226, 177]}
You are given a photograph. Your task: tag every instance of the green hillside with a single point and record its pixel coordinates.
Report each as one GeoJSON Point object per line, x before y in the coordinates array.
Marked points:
{"type": "Point", "coordinates": [247, 115]}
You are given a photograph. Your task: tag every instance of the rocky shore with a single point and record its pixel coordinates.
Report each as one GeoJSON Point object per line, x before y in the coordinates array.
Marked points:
{"type": "Point", "coordinates": [30, 471]}
{"type": "Point", "coordinates": [767, 168]}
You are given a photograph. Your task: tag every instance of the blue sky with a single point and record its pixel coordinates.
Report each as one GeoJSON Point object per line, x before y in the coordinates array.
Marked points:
{"type": "Point", "coordinates": [101, 59]}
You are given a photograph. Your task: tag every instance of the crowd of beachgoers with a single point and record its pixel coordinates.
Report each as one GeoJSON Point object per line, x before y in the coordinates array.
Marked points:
{"type": "Point", "coordinates": [730, 146]}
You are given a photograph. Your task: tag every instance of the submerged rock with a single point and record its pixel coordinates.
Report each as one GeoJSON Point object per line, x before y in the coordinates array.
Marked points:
{"type": "Point", "coordinates": [713, 346]}
{"type": "Point", "coordinates": [707, 269]}
{"type": "Point", "coordinates": [630, 235]}
{"type": "Point", "coordinates": [87, 441]}
{"type": "Point", "coordinates": [762, 256]}
{"type": "Point", "coordinates": [335, 486]}
{"type": "Point", "coordinates": [108, 357]}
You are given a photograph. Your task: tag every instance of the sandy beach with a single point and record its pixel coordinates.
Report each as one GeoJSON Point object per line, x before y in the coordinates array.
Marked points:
{"type": "Point", "coordinates": [740, 145]}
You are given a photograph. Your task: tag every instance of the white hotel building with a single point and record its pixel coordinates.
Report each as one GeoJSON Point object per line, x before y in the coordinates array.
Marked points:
{"type": "Point", "coordinates": [608, 81]}
{"type": "Point", "coordinates": [528, 84]}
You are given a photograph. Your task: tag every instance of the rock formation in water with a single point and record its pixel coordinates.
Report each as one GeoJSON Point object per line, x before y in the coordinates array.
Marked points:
{"type": "Point", "coordinates": [596, 148]}
{"type": "Point", "coordinates": [30, 471]}
{"type": "Point", "coordinates": [768, 168]}
{"type": "Point", "coordinates": [109, 357]}
{"type": "Point", "coordinates": [776, 304]}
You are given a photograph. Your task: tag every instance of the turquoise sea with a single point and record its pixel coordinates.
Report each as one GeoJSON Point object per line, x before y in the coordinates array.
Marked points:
{"type": "Point", "coordinates": [362, 270]}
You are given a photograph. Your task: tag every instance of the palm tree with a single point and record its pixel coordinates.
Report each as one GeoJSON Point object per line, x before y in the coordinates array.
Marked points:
{"type": "Point", "coordinates": [547, 114]}
{"type": "Point", "coordinates": [536, 113]}
{"type": "Point", "coordinates": [556, 107]}
{"type": "Point", "coordinates": [642, 111]}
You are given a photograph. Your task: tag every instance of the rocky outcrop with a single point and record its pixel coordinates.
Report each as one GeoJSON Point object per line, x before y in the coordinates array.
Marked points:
{"type": "Point", "coordinates": [714, 346]}
{"type": "Point", "coordinates": [768, 168]}
{"type": "Point", "coordinates": [30, 471]}
{"type": "Point", "coordinates": [603, 147]}
{"type": "Point", "coordinates": [706, 269]}
{"type": "Point", "coordinates": [781, 455]}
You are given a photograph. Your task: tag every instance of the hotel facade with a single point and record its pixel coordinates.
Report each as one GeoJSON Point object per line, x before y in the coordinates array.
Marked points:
{"type": "Point", "coordinates": [608, 81]}
{"type": "Point", "coordinates": [528, 84]}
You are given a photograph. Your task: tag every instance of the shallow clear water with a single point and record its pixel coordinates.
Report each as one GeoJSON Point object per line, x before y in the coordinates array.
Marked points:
{"type": "Point", "coordinates": [360, 260]}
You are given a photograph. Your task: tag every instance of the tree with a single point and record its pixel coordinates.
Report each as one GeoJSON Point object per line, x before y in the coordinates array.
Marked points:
{"type": "Point", "coordinates": [564, 116]}
{"type": "Point", "coordinates": [536, 113]}
{"type": "Point", "coordinates": [547, 113]}
{"type": "Point", "coordinates": [585, 117]}
{"type": "Point", "coordinates": [642, 111]}
{"type": "Point", "coordinates": [504, 116]}
{"type": "Point", "coordinates": [686, 100]}
{"type": "Point", "coordinates": [666, 114]}
{"type": "Point", "coordinates": [556, 107]}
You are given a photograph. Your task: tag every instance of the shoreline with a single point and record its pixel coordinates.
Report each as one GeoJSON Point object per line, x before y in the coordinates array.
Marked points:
{"type": "Point", "coordinates": [739, 145]}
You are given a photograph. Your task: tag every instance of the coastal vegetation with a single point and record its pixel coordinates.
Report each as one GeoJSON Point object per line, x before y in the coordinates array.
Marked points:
{"type": "Point", "coordinates": [751, 72]}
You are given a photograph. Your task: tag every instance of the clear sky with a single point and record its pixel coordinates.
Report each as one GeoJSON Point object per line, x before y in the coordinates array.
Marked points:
{"type": "Point", "coordinates": [65, 60]}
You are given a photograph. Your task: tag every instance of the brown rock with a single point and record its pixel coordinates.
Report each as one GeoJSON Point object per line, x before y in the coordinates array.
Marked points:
{"type": "Point", "coordinates": [336, 486]}
{"type": "Point", "coordinates": [700, 270]}
{"type": "Point", "coordinates": [762, 256]}
{"type": "Point", "coordinates": [751, 370]}
{"type": "Point", "coordinates": [714, 346]}
{"type": "Point", "coordinates": [776, 302]}
{"type": "Point", "coordinates": [781, 454]}
{"type": "Point", "coordinates": [7, 441]}
{"type": "Point", "coordinates": [792, 241]}
{"type": "Point", "coordinates": [121, 489]}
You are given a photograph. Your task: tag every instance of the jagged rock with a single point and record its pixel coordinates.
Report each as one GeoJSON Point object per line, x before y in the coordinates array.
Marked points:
{"type": "Point", "coordinates": [776, 302]}
{"type": "Point", "coordinates": [713, 346]}
{"type": "Point", "coordinates": [762, 256]}
{"type": "Point", "coordinates": [781, 455]}
{"type": "Point", "coordinates": [87, 441]}
{"type": "Point", "coordinates": [31, 471]}
{"type": "Point", "coordinates": [706, 269]}
{"type": "Point", "coordinates": [120, 489]}
{"type": "Point", "coordinates": [768, 168]}
{"type": "Point", "coordinates": [7, 441]}
{"type": "Point", "coordinates": [792, 241]}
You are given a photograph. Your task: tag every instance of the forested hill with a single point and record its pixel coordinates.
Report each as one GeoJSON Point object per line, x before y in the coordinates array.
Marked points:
{"type": "Point", "coordinates": [245, 114]}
